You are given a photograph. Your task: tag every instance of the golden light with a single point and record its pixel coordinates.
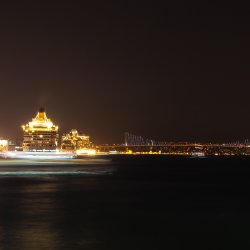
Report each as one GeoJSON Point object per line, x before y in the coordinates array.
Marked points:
{"type": "Point", "coordinates": [40, 133]}
{"type": "Point", "coordinates": [40, 123]}
{"type": "Point", "coordinates": [86, 152]}
{"type": "Point", "coordinates": [3, 143]}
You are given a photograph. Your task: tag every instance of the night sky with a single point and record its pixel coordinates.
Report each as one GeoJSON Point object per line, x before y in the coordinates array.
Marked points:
{"type": "Point", "coordinates": [169, 72]}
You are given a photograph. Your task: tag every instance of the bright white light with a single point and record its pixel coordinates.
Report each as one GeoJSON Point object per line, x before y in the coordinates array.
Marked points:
{"type": "Point", "coordinates": [86, 152]}
{"type": "Point", "coordinates": [3, 143]}
{"type": "Point", "coordinates": [38, 155]}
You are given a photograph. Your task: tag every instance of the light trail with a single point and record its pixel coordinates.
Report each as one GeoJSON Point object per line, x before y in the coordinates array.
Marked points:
{"type": "Point", "coordinates": [67, 172]}
{"type": "Point", "coordinates": [80, 162]}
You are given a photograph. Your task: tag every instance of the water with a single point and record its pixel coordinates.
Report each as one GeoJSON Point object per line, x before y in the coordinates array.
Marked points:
{"type": "Point", "coordinates": [150, 202]}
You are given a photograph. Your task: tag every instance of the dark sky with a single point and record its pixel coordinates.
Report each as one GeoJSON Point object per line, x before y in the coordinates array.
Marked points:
{"type": "Point", "coordinates": [164, 71]}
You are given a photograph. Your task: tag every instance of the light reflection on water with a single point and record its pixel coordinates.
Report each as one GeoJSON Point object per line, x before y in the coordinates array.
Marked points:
{"type": "Point", "coordinates": [46, 172]}
{"type": "Point", "coordinates": [25, 168]}
{"type": "Point", "coordinates": [51, 205]}
{"type": "Point", "coordinates": [22, 162]}
{"type": "Point", "coordinates": [170, 204]}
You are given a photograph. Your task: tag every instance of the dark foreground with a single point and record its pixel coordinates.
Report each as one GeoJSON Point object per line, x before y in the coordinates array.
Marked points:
{"type": "Point", "coordinates": [130, 203]}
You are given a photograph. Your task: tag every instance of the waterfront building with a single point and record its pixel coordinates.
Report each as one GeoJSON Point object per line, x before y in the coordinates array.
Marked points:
{"type": "Point", "coordinates": [74, 141]}
{"type": "Point", "coordinates": [3, 145]}
{"type": "Point", "coordinates": [40, 134]}
{"type": "Point", "coordinates": [15, 145]}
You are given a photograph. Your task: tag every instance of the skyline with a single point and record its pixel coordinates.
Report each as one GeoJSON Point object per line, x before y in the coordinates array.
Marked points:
{"type": "Point", "coordinates": [41, 139]}
{"type": "Point", "coordinates": [127, 136]}
{"type": "Point", "coordinates": [163, 71]}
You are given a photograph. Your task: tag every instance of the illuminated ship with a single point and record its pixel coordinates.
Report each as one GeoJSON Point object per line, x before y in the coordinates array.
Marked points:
{"type": "Point", "coordinates": [40, 134]}
{"type": "Point", "coordinates": [40, 140]}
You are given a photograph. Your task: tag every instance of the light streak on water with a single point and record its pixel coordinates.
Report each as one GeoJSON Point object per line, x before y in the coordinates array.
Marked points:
{"type": "Point", "coordinates": [68, 172]}
{"type": "Point", "coordinates": [76, 167]}
{"type": "Point", "coordinates": [22, 162]}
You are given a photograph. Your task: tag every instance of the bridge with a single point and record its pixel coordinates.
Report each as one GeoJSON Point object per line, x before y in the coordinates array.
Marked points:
{"type": "Point", "coordinates": [136, 143]}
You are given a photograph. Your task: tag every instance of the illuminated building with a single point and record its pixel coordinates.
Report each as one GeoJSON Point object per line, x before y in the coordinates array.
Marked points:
{"type": "Point", "coordinates": [74, 141]}
{"type": "Point", "coordinates": [3, 145]}
{"type": "Point", "coordinates": [15, 145]}
{"type": "Point", "coordinates": [40, 134]}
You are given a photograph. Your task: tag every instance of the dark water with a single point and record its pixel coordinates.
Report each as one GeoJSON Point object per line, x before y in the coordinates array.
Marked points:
{"type": "Point", "coordinates": [129, 203]}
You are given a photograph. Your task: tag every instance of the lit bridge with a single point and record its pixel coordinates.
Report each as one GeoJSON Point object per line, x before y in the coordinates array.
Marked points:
{"type": "Point", "coordinates": [139, 144]}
